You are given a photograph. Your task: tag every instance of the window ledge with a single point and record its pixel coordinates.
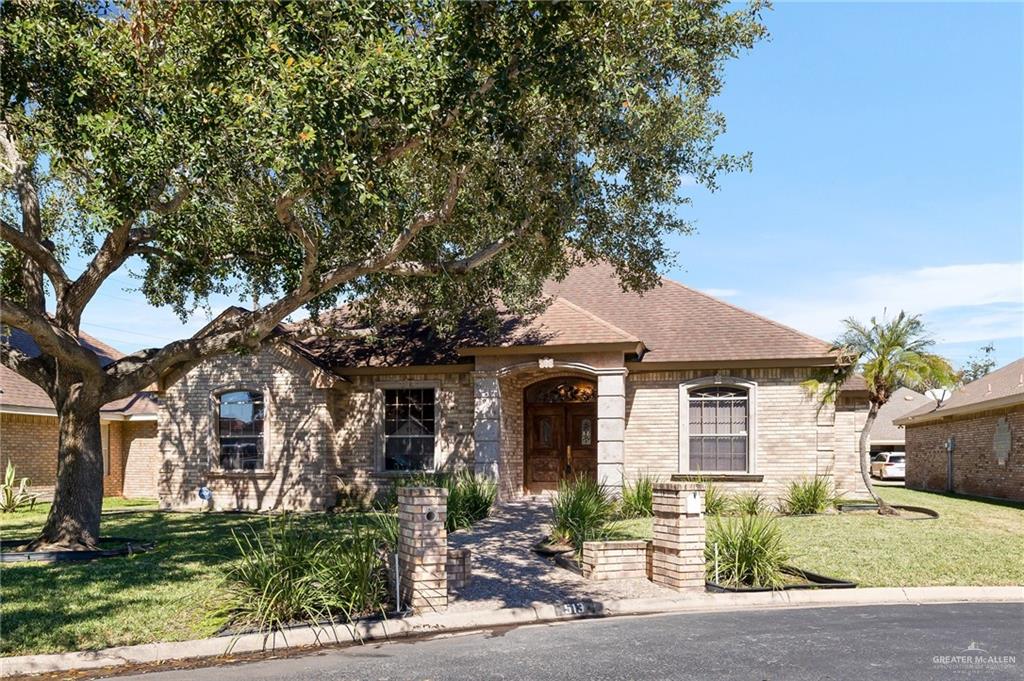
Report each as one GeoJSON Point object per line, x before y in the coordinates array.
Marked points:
{"type": "Point", "coordinates": [717, 477]}
{"type": "Point", "coordinates": [404, 474]}
{"type": "Point", "coordinates": [242, 475]}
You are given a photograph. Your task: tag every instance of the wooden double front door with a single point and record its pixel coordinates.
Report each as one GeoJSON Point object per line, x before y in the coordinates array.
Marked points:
{"type": "Point", "coordinates": [561, 442]}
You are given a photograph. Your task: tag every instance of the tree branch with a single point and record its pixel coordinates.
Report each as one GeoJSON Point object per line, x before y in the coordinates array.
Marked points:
{"type": "Point", "coordinates": [460, 266]}
{"type": "Point", "coordinates": [31, 222]}
{"type": "Point", "coordinates": [50, 337]}
{"type": "Point", "coordinates": [35, 250]}
{"type": "Point", "coordinates": [32, 368]}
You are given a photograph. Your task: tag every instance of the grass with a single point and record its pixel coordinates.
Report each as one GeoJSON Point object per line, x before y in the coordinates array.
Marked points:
{"type": "Point", "coordinates": [973, 543]}
{"type": "Point", "coordinates": [169, 594]}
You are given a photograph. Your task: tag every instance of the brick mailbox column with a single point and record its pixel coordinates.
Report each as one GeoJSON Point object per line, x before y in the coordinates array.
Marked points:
{"type": "Point", "coordinates": [423, 547]}
{"type": "Point", "coordinates": [678, 547]}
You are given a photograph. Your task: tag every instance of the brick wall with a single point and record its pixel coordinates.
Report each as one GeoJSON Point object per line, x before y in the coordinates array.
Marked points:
{"type": "Point", "coordinates": [794, 440]}
{"type": "Point", "coordinates": [141, 459]}
{"type": "Point", "coordinates": [975, 468]}
{"type": "Point", "coordinates": [357, 432]}
{"type": "Point", "coordinates": [296, 442]}
{"type": "Point", "coordinates": [31, 443]}
{"type": "Point", "coordinates": [602, 560]}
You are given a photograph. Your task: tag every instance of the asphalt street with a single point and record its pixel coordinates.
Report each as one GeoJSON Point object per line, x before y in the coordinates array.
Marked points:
{"type": "Point", "coordinates": [899, 642]}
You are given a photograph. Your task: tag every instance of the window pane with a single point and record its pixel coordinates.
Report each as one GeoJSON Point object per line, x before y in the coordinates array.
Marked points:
{"type": "Point", "coordinates": [409, 428]}
{"type": "Point", "coordinates": [697, 454]}
{"type": "Point", "coordinates": [409, 453]}
{"type": "Point", "coordinates": [240, 427]}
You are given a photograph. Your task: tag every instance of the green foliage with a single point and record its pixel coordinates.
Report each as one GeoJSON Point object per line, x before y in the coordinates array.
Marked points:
{"type": "Point", "coordinates": [977, 366]}
{"type": "Point", "coordinates": [749, 503]}
{"type": "Point", "coordinates": [716, 501]}
{"type": "Point", "coordinates": [888, 354]}
{"type": "Point", "coordinates": [470, 496]}
{"type": "Point", "coordinates": [638, 498]}
{"type": "Point", "coordinates": [581, 511]}
{"type": "Point", "coordinates": [291, 572]}
{"type": "Point", "coordinates": [233, 135]}
{"type": "Point", "coordinates": [745, 551]}
{"type": "Point", "coordinates": [813, 495]}
{"type": "Point", "coordinates": [386, 526]}
{"type": "Point", "coordinates": [14, 494]}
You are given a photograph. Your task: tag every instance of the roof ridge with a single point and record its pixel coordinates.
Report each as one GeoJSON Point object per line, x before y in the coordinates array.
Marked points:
{"type": "Point", "coordinates": [597, 319]}
{"type": "Point", "coordinates": [745, 311]}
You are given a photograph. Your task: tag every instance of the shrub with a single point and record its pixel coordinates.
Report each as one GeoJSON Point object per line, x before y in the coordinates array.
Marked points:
{"type": "Point", "coordinates": [745, 551]}
{"type": "Point", "coordinates": [750, 503]}
{"type": "Point", "coordinates": [13, 493]}
{"type": "Point", "coordinates": [814, 495]}
{"type": "Point", "coordinates": [716, 502]}
{"type": "Point", "coordinates": [304, 571]}
{"type": "Point", "coordinates": [638, 498]}
{"type": "Point", "coordinates": [581, 511]}
{"type": "Point", "coordinates": [386, 526]}
{"type": "Point", "coordinates": [470, 496]}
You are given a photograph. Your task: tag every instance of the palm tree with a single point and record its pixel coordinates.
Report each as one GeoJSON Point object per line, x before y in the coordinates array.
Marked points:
{"type": "Point", "coordinates": [889, 355]}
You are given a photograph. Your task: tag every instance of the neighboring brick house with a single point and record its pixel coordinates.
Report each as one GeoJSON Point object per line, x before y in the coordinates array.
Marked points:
{"type": "Point", "coordinates": [602, 383]}
{"type": "Point", "coordinates": [886, 436]}
{"type": "Point", "coordinates": [973, 443]}
{"type": "Point", "coordinates": [28, 430]}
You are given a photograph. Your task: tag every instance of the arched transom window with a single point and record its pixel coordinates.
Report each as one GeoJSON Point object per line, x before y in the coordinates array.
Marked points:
{"type": "Point", "coordinates": [718, 432]}
{"type": "Point", "coordinates": [240, 430]}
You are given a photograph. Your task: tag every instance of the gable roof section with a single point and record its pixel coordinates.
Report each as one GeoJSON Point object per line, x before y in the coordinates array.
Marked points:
{"type": "Point", "coordinates": [1002, 388]}
{"type": "Point", "coordinates": [680, 324]}
{"type": "Point", "coordinates": [902, 402]}
{"type": "Point", "coordinates": [17, 391]}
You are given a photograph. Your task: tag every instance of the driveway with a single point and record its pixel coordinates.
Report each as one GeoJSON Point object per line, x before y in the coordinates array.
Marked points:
{"type": "Point", "coordinates": [508, 574]}
{"type": "Point", "coordinates": [906, 642]}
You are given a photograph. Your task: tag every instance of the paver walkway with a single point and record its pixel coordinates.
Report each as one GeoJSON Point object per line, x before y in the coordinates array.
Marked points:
{"type": "Point", "coordinates": [508, 574]}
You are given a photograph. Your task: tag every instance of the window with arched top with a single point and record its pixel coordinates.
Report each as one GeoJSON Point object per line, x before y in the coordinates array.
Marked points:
{"type": "Point", "coordinates": [240, 425]}
{"type": "Point", "coordinates": [716, 423]}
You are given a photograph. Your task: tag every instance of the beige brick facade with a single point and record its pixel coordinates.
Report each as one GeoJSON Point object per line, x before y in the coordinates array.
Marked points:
{"type": "Point", "coordinates": [793, 439]}
{"type": "Point", "coordinates": [976, 469]}
{"type": "Point", "coordinates": [30, 441]}
{"type": "Point", "coordinates": [323, 444]}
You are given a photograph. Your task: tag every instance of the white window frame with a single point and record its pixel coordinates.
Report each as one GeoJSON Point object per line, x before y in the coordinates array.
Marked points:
{"type": "Point", "coordinates": [378, 417]}
{"type": "Point", "coordinates": [684, 420]}
{"type": "Point", "coordinates": [213, 457]}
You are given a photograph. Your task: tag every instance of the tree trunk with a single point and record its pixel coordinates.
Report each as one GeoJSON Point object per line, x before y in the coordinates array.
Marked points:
{"type": "Point", "coordinates": [74, 520]}
{"type": "Point", "coordinates": [865, 463]}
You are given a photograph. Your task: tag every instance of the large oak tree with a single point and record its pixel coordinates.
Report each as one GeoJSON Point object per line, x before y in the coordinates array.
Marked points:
{"type": "Point", "coordinates": [442, 154]}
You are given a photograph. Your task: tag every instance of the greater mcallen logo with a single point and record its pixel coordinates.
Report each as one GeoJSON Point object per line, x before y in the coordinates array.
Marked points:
{"type": "Point", "coordinates": [974, 657]}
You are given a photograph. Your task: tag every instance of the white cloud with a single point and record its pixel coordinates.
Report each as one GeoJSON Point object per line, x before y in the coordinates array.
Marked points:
{"type": "Point", "coordinates": [960, 303]}
{"type": "Point", "coordinates": [721, 292]}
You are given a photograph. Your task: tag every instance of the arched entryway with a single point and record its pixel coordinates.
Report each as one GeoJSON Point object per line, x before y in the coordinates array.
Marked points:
{"type": "Point", "coordinates": [559, 432]}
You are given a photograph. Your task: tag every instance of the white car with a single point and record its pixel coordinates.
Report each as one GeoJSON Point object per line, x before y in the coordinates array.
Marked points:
{"type": "Point", "coordinates": [889, 466]}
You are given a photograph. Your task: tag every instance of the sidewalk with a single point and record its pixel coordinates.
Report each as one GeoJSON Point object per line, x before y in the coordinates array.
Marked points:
{"type": "Point", "coordinates": [443, 622]}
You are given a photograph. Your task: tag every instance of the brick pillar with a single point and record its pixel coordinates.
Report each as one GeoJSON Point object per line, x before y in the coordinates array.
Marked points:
{"type": "Point", "coordinates": [486, 424]}
{"type": "Point", "coordinates": [611, 429]}
{"type": "Point", "coordinates": [423, 547]}
{"type": "Point", "coordinates": [678, 548]}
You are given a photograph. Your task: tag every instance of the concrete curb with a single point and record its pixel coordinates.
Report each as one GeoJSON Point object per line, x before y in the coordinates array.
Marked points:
{"type": "Point", "coordinates": [441, 622]}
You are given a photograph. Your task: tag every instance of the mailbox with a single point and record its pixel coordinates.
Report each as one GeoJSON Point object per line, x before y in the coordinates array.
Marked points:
{"type": "Point", "coordinates": [693, 504]}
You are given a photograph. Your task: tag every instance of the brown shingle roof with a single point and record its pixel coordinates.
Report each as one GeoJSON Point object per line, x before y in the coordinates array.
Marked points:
{"type": "Point", "coordinates": [1001, 388]}
{"type": "Point", "coordinates": [675, 323]}
{"type": "Point", "coordinates": [902, 402]}
{"type": "Point", "coordinates": [680, 324]}
{"type": "Point", "coordinates": [17, 391]}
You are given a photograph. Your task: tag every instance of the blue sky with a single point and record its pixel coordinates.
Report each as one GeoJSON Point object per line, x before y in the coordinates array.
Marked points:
{"type": "Point", "coordinates": [888, 174]}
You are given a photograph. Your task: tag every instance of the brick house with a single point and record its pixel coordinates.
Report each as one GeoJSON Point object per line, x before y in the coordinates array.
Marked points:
{"type": "Point", "coordinates": [602, 383]}
{"type": "Point", "coordinates": [29, 434]}
{"type": "Point", "coordinates": [973, 443]}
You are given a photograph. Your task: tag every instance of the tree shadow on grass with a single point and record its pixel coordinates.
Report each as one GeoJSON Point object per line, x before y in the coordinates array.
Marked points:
{"type": "Point", "coordinates": [171, 592]}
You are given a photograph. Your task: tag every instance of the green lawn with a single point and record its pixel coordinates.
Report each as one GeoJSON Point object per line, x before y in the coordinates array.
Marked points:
{"type": "Point", "coordinates": [170, 593]}
{"type": "Point", "coordinates": [973, 542]}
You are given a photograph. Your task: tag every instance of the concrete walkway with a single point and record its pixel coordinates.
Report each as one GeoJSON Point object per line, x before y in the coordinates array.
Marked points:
{"type": "Point", "coordinates": [508, 574]}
